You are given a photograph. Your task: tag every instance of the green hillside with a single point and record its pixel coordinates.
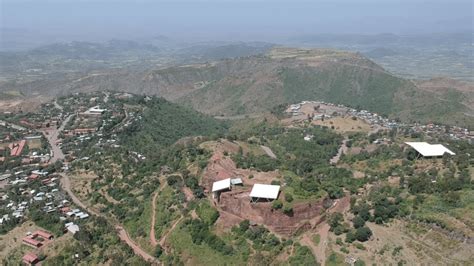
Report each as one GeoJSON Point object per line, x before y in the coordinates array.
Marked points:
{"type": "Point", "coordinates": [341, 78]}
{"type": "Point", "coordinates": [162, 123]}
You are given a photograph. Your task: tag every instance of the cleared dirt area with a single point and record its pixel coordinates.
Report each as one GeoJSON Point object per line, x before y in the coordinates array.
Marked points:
{"type": "Point", "coordinates": [425, 245]}
{"type": "Point", "coordinates": [25, 105]}
{"type": "Point", "coordinates": [222, 167]}
{"type": "Point", "coordinates": [12, 241]}
{"type": "Point", "coordinates": [34, 143]}
{"type": "Point", "coordinates": [344, 124]}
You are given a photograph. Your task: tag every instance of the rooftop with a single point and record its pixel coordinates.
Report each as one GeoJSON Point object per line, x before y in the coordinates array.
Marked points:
{"type": "Point", "coordinates": [430, 150]}
{"type": "Point", "coordinates": [265, 191]}
{"type": "Point", "coordinates": [221, 185]}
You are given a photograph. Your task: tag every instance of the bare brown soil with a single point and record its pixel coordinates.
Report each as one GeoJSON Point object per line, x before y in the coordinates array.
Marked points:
{"type": "Point", "coordinates": [222, 167]}
{"type": "Point", "coordinates": [26, 105]}
{"type": "Point", "coordinates": [344, 124]}
{"type": "Point", "coordinates": [235, 205]}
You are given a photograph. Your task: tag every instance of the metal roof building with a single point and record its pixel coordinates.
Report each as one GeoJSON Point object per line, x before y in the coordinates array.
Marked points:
{"type": "Point", "coordinates": [262, 191]}
{"type": "Point", "coordinates": [221, 185]}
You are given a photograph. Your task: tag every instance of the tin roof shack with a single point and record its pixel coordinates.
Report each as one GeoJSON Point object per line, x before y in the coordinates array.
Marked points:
{"type": "Point", "coordinates": [220, 186]}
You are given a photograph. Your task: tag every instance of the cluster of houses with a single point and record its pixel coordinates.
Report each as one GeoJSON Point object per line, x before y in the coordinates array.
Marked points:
{"type": "Point", "coordinates": [45, 196]}
{"type": "Point", "coordinates": [323, 110]}
{"type": "Point", "coordinates": [453, 132]}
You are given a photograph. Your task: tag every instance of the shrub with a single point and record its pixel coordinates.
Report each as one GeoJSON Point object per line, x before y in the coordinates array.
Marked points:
{"type": "Point", "coordinates": [158, 251]}
{"type": "Point", "coordinates": [277, 204]}
{"type": "Point", "coordinates": [350, 236]}
{"type": "Point", "coordinates": [288, 197]}
{"type": "Point", "coordinates": [288, 210]}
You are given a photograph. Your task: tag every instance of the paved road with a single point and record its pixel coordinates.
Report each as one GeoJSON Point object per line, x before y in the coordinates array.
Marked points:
{"type": "Point", "coordinates": [52, 137]}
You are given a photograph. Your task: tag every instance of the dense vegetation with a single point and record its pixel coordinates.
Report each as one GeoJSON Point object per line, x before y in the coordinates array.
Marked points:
{"type": "Point", "coordinates": [162, 123]}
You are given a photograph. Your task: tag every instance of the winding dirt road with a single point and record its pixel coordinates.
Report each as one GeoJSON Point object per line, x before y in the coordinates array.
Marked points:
{"type": "Point", "coordinates": [342, 150]}
{"type": "Point", "coordinates": [121, 232]}
{"type": "Point", "coordinates": [65, 181]}
{"type": "Point", "coordinates": [123, 235]}
{"type": "Point", "coordinates": [165, 236]}
{"type": "Point", "coordinates": [153, 217]}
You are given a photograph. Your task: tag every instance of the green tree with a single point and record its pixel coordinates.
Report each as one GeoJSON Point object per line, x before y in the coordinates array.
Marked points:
{"type": "Point", "coordinates": [358, 222]}
{"type": "Point", "coordinates": [363, 233]}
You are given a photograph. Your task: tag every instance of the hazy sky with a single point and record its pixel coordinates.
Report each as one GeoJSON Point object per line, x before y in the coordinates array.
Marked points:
{"type": "Point", "coordinates": [226, 19]}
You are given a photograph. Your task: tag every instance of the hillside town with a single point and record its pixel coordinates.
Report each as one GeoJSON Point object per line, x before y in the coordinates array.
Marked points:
{"type": "Point", "coordinates": [319, 110]}
{"type": "Point", "coordinates": [38, 150]}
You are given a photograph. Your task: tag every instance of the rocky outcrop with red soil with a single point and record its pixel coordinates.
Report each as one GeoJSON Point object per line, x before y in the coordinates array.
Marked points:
{"type": "Point", "coordinates": [238, 204]}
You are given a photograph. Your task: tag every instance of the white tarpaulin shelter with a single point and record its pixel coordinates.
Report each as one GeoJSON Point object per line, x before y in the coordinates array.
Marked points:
{"type": "Point", "coordinates": [221, 185]}
{"type": "Point", "coordinates": [430, 150]}
{"type": "Point", "coordinates": [261, 191]}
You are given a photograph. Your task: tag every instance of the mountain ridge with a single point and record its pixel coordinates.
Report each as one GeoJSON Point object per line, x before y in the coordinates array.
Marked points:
{"type": "Point", "coordinates": [257, 83]}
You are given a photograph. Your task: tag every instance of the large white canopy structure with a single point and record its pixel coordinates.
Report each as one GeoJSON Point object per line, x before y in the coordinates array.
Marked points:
{"type": "Point", "coordinates": [221, 185]}
{"type": "Point", "coordinates": [430, 150]}
{"type": "Point", "coordinates": [262, 191]}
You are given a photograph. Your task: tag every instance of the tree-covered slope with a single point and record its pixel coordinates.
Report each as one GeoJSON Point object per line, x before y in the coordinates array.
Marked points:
{"type": "Point", "coordinates": [161, 123]}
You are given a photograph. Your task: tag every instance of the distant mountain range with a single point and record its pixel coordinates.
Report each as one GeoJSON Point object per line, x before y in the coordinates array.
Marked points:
{"type": "Point", "coordinates": [258, 83]}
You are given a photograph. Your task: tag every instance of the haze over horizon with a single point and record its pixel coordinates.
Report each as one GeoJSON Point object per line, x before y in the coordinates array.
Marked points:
{"type": "Point", "coordinates": [27, 23]}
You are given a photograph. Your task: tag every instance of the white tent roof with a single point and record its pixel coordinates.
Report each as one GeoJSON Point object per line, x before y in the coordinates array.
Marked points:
{"type": "Point", "coordinates": [221, 185]}
{"type": "Point", "coordinates": [265, 191]}
{"type": "Point", "coordinates": [429, 150]}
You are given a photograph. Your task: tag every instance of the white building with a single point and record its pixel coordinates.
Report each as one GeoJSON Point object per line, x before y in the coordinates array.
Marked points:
{"type": "Point", "coordinates": [262, 191]}
{"type": "Point", "coordinates": [219, 186]}
{"type": "Point", "coordinates": [430, 150]}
